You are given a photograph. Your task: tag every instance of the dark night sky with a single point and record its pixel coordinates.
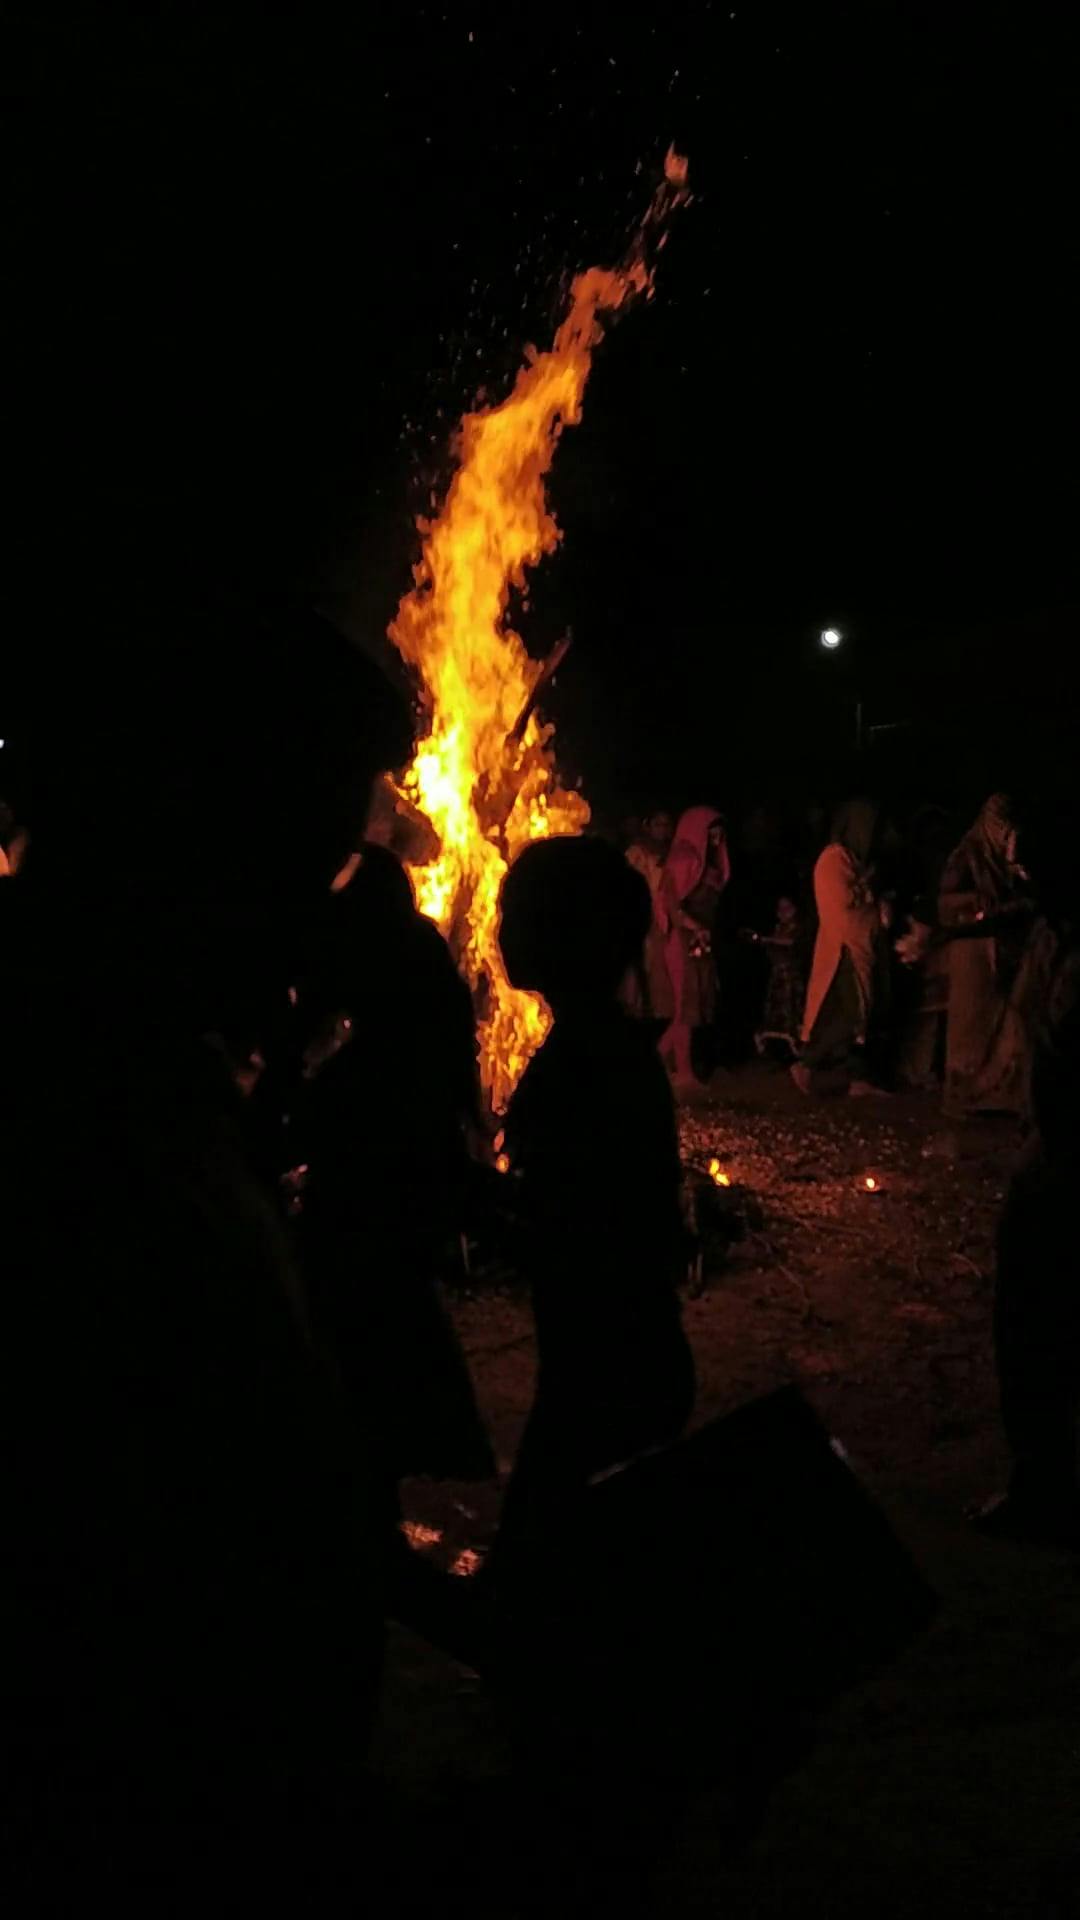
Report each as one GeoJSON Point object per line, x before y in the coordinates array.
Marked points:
{"type": "Point", "coordinates": [258, 260]}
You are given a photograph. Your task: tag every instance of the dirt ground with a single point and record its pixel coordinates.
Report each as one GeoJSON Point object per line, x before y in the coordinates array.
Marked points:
{"type": "Point", "coordinates": [952, 1782]}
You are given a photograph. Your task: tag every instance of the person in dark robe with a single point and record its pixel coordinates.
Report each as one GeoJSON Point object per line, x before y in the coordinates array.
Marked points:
{"type": "Point", "coordinates": [696, 873]}
{"type": "Point", "coordinates": [193, 1626]}
{"type": "Point", "coordinates": [385, 1118]}
{"type": "Point", "coordinates": [1037, 1295]}
{"type": "Point", "coordinates": [987, 1057]}
{"type": "Point", "coordinates": [590, 1134]}
{"type": "Point", "coordinates": [840, 996]}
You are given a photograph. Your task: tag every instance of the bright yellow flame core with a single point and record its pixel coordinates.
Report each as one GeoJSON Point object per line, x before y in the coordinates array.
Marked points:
{"type": "Point", "coordinates": [486, 792]}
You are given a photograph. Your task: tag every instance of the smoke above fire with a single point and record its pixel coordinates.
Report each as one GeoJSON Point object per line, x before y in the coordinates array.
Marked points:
{"type": "Point", "coordinates": [484, 773]}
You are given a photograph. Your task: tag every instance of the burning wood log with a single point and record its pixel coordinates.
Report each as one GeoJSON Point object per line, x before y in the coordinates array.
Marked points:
{"type": "Point", "coordinates": [497, 792]}
{"type": "Point", "coordinates": [547, 673]}
{"type": "Point", "coordinates": [396, 823]}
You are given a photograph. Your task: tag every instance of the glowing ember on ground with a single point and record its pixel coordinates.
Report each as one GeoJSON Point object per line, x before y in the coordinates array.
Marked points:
{"type": "Point", "coordinates": [717, 1174]}
{"type": "Point", "coordinates": [468, 1563]}
{"type": "Point", "coordinates": [870, 1185]}
{"type": "Point", "coordinates": [418, 1535]}
{"type": "Point", "coordinates": [485, 774]}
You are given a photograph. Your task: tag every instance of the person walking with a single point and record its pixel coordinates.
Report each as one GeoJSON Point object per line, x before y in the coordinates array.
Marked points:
{"type": "Point", "coordinates": [840, 995]}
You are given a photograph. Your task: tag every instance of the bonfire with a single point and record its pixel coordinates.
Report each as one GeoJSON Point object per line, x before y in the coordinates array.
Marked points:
{"type": "Point", "coordinates": [484, 774]}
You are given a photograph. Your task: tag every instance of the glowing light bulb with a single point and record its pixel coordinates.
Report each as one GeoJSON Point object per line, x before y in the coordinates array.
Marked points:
{"type": "Point", "coordinates": [831, 639]}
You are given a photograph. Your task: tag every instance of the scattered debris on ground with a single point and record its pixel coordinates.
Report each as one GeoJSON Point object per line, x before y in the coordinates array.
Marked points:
{"type": "Point", "coordinates": [954, 1777]}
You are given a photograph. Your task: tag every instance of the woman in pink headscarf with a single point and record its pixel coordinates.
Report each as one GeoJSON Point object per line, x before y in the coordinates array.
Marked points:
{"type": "Point", "coordinates": [696, 872]}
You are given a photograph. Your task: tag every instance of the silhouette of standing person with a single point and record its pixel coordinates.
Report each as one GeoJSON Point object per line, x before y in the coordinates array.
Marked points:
{"type": "Point", "coordinates": [987, 1050]}
{"type": "Point", "coordinates": [1036, 1297]}
{"type": "Point", "coordinates": [591, 1139]}
{"type": "Point", "coordinates": [194, 1635]}
{"type": "Point", "coordinates": [840, 994]}
{"type": "Point", "coordinates": [382, 1119]}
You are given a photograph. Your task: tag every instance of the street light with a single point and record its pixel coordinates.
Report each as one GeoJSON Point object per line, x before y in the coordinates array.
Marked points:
{"type": "Point", "coordinates": [831, 638]}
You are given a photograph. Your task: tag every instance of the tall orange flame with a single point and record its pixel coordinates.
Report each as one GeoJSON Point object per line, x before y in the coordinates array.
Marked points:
{"type": "Point", "coordinates": [486, 782]}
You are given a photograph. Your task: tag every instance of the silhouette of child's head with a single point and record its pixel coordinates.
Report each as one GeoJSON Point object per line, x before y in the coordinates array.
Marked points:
{"type": "Point", "coordinates": [786, 910]}
{"type": "Point", "coordinates": [574, 917]}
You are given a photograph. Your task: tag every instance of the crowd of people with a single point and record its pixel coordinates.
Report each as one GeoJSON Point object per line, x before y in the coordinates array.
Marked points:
{"type": "Point", "coordinates": [873, 960]}
{"type": "Point", "coordinates": [895, 961]}
{"type": "Point", "coordinates": [243, 1123]}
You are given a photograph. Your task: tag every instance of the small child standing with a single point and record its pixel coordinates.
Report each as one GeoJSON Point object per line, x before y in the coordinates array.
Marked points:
{"type": "Point", "coordinates": [592, 1143]}
{"type": "Point", "coordinates": [786, 990]}
{"type": "Point", "coordinates": [591, 1138]}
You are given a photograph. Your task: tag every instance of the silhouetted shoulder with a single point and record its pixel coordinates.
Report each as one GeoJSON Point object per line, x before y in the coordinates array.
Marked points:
{"type": "Point", "coordinates": [595, 1103]}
